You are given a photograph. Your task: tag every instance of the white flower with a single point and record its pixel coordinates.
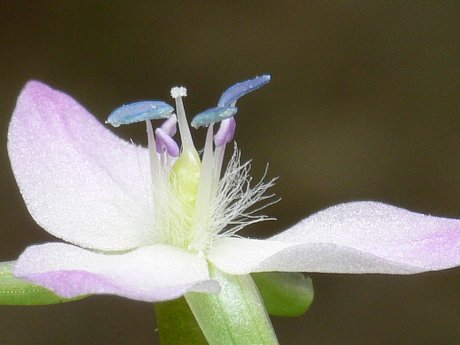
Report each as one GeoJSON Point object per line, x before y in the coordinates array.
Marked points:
{"type": "Point", "coordinates": [145, 225]}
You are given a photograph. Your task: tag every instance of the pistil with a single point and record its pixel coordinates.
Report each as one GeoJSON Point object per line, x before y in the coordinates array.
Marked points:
{"type": "Point", "coordinates": [186, 171]}
{"type": "Point", "coordinates": [187, 142]}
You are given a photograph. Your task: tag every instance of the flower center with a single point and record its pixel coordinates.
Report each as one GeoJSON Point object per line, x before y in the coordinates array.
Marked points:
{"type": "Point", "coordinates": [191, 203]}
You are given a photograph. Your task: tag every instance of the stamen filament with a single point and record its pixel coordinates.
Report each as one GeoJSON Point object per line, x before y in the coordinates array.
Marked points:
{"type": "Point", "coordinates": [205, 190]}
{"type": "Point", "coordinates": [219, 153]}
{"type": "Point", "coordinates": [154, 162]}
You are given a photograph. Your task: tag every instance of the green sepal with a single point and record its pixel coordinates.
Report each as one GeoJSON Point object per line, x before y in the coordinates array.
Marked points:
{"type": "Point", "coordinates": [285, 293]}
{"type": "Point", "coordinates": [177, 325]}
{"type": "Point", "coordinates": [14, 291]}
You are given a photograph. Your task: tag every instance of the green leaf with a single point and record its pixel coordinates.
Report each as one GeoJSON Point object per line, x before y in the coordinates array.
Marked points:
{"type": "Point", "coordinates": [14, 291]}
{"type": "Point", "coordinates": [177, 325]}
{"type": "Point", "coordinates": [285, 293]}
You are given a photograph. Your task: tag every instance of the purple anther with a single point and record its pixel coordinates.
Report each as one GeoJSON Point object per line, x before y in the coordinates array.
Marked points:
{"type": "Point", "coordinates": [165, 143]}
{"type": "Point", "coordinates": [170, 125]}
{"type": "Point", "coordinates": [226, 132]}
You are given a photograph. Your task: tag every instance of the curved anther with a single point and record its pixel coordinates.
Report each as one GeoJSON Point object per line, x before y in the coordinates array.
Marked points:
{"type": "Point", "coordinates": [233, 93]}
{"type": "Point", "coordinates": [170, 125]}
{"type": "Point", "coordinates": [226, 132]}
{"type": "Point", "coordinates": [165, 143]}
{"type": "Point", "coordinates": [213, 115]}
{"type": "Point", "coordinates": [139, 111]}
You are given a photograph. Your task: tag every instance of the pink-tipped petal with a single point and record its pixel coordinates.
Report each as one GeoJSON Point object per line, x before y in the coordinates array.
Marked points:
{"type": "Point", "coordinates": [79, 181]}
{"type": "Point", "coordinates": [358, 237]}
{"type": "Point", "coordinates": [154, 273]}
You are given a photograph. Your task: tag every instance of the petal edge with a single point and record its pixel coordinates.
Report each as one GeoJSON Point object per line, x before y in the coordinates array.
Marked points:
{"type": "Point", "coordinates": [79, 181]}
{"type": "Point", "coordinates": [358, 237]}
{"type": "Point", "coordinates": [154, 273]}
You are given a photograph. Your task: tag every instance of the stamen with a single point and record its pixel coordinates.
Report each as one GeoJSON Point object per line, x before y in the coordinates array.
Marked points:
{"type": "Point", "coordinates": [212, 115]}
{"type": "Point", "coordinates": [139, 111]}
{"type": "Point", "coordinates": [223, 136]}
{"type": "Point", "coordinates": [226, 132]}
{"type": "Point", "coordinates": [187, 142]}
{"type": "Point", "coordinates": [170, 125]}
{"type": "Point", "coordinates": [234, 205]}
{"type": "Point", "coordinates": [165, 143]}
{"type": "Point", "coordinates": [236, 91]}
{"type": "Point", "coordinates": [154, 162]}
{"type": "Point", "coordinates": [205, 192]}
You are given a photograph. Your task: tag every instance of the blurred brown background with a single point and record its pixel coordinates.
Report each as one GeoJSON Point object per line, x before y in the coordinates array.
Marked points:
{"type": "Point", "coordinates": [363, 104]}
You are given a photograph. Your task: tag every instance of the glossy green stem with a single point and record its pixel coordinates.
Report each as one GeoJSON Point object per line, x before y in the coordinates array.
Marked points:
{"type": "Point", "coordinates": [236, 315]}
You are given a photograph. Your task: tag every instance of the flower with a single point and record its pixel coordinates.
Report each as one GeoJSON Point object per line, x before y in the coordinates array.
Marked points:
{"type": "Point", "coordinates": [144, 224]}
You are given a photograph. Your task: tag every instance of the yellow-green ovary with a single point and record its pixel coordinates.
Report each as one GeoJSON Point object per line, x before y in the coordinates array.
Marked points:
{"type": "Point", "coordinates": [184, 179]}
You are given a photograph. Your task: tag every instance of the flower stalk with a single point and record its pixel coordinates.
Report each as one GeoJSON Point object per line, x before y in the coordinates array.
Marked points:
{"type": "Point", "coordinates": [236, 315]}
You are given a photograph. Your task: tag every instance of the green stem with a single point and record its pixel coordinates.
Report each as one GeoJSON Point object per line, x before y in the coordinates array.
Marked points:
{"type": "Point", "coordinates": [235, 316]}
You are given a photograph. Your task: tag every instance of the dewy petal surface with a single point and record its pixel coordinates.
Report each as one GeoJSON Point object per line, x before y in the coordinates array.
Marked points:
{"type": "Point", "coordinates": [358, 237]}
{"type": "Point", "coordinates": [154, 273]}
{"type": "Point", "coordinates": [79, 181]}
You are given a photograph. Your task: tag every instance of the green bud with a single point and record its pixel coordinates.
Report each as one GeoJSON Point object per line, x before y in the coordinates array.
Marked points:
{"type": "Point", "coordinates": [285, 293]}
{"type": "Point", "coordinates": [14, 291]}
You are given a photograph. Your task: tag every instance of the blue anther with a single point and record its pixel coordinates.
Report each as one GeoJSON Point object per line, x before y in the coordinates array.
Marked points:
{"type": "Point", "coordinates": [213, 115]}
{"type": "Point", "coordinates": [139, 111]}
{"type": "Point", "coordinates": [233, 93]}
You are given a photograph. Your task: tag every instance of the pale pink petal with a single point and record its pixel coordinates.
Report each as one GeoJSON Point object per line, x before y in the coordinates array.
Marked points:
{"type": "Point", "coordinates": [79, 181]}
{"type": "Point", "coordinates": [359, 237]}
{"type": "Point", "coordinates": [154, 273]}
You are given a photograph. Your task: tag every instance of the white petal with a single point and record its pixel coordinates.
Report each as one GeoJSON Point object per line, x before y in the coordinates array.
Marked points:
{"type": "Point", "coordinates": [360, 237]}
{"type": "Point", "coordinates": [154, 273]}
{"type": "Point", "coordinates": [79, 181]}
